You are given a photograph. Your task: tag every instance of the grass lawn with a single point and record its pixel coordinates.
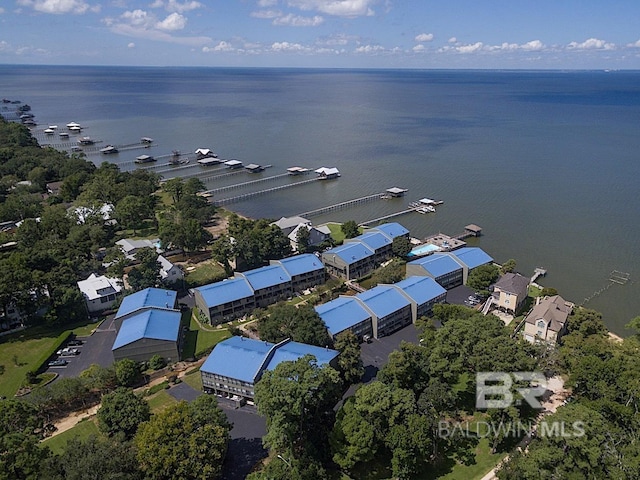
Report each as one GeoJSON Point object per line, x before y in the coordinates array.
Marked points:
{"type": "Point", "coordinates": [198, 341]}
{"type": "Point", "coordinates": [336, 232]}
{"type": "Point", "coordinates": [160, 401]}
{"type": "Point", "coordinates": [194, 380]}
{"type": "Point", "coordinates": [81, 431]}
{"type": "Point", "coordinates": [485, 461]}
{"type": "Point", "coordinates": [205, 272]}
{"type": "Point", "coordinates": [21, 352]}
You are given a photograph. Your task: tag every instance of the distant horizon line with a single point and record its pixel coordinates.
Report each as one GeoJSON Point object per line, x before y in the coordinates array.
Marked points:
{"type": "Point", "coordinates": [220, 67]}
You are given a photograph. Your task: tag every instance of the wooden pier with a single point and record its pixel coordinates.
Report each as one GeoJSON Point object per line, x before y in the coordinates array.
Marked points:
{"type": "Point", "coordinates": [537, 273]}
{"type": "Point", "coordinates": [386, 217]}
{"type": "Point", "coordinates": [240, 198]}
{"type": "Point", "coordinates": [236, 186]}
{"type": "Point", "coordinates": [341, 205]}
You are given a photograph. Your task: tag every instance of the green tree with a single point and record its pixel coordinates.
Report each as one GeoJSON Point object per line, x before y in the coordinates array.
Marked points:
{"type": "Point", "coordinates": [127, 372]}
{"type": "Point", "coordinates": [480, 278]}
{"type": "Point", "coordinates": [222, 252]}
{"type": "Point", "coordinates": [184, 441]}
{"type": "Point", "coordinates": [121, 412]}
{"type": "Point", "coordinates": [147, 273]}
{"type": "Point", "coordinates": [303, 237]}
{"type": "Point", "coordinates": [297, 399]}
{"type": "Point", "coordinates": [349, 361]}
{"type": "Point", "coordinates": [401, 246]}
{"type": "Point", "coordinates": [508, 267]}
{"type": "Point", "coordinates": [93, 458]}
{"type": "Point", "coordinates": [301, 324]}
{"type": "Point", "coordinates": [131, 211]}
{"type": "Point", "coordinates": [175, 188]}
{"type": "Point", "coordinates": [350, 229]}
{"type": "Point", "coordinates": [156, 362]}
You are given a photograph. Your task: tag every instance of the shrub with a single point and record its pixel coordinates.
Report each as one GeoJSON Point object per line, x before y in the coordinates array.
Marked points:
{"type": "Point", "coordinates": [157, 362]}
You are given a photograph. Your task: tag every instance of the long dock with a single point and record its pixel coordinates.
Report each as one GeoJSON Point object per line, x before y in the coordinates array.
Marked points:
{"type": "Point", "coordinates": [341, 205]}
{"type": "Point", "coordinates": [239, 198]}
{"type": "Point", "coordinates": [236, 186]}
{"type": "Point", "coordinates": [386, 217]}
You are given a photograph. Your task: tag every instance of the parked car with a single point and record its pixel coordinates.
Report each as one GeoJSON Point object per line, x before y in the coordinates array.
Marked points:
{"type": "Point", "coordinates": [68, 352]}
{"type": "Point", "coordinates": [58, 363]}
{"type": "Point", "coordinates": [75, 343]}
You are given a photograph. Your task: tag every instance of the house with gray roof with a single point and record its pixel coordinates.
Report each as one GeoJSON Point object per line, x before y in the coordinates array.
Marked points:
{"type": "Point", "coordinates": [547, 321]}
{"type": "Point", "coordinates": [510, 292]}
{"type": "Point", "coordinates": [99, 292]}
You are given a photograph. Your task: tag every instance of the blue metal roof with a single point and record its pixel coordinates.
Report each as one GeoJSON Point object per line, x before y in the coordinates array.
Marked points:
{"type": "Point", "coordinates": [437, 264]}
{"type": "Point", "coordinates": [152, 324]}
{"type": "Point", "coordinates": [265, 277]}
{"type": "Point", "coordinates": [373, 240]}
{"type": "Point", "coordinates": [225, 291]}
{"type": "Point", "coordinates": [421, 289]}
{"type": "Point", "coordinates": [342, 313]}
{"type": "Point", "coordinates": [245, 359]}
{"type": "Point", "coordinates": [472, 257]}
{"type": "Point", "coordinates": [149, 297]}
{"type": "Point", "coordinates": [392, 229]}
{"type": "Point", "coordinates": [292, 351]}
{"type": "Point", "coordinates": [301, 264]}
{"type": "Point", "coordinates": [237, 357]}
{"type": "Point", "coordinates": [383, 300]}
{"type": "Point", "coordinates": [350, 252]}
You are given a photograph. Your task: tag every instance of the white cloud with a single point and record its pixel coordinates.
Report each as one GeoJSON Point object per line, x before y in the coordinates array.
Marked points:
{"type": "Point", "coordinates": [131, 45]}
{"type": "Point", "coordinates": [635, 44]}
{"type": "Point", "coordinates": [175, 6]}
{"type": "Point", "coordinates": [142, 24]}
{"type": "Point", "coordinates": [1, 10]}
{"type": "Point", "coordinates": [220, 47]}
{"type": "Point", "coordinates": [533, 46]}
{"type": "Point", "coordinates": [288, 47]}
{"type": "Point", "coordinates": [419, 48]}
{"type": "Point", "coordinates": [339, 39]}
{"type": "Point", "coordinates": [591, 44]}
{"type": "Point", "coordinates": [424, 37]}
{"type": "Point", "coordinates": [59, 6]}
{"type": "Point", "coordinates": [471, 48]}
{"type": "Point", "coordinates": [298, 21]}
{"type": "Point", "coordinates": [369, 49]}
{"type": "Point", "coordinates": [266, 14]}
{"type": "Point", "coordinates": [267, 3]}
{"type": "Point", "coordinates": [338, 8]}
{"type": "Point", "coordinates": [173, 22]}
{"type": "Point", "coordinates": [453, 40]}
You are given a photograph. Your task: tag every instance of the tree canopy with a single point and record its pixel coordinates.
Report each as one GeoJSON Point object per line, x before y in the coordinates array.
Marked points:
{"type": "Point", "coordinates": [185, 441]}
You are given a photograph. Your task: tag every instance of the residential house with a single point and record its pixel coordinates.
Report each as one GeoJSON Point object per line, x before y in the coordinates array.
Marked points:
{"type": "Point", "coordinates": [99, 292]}
{"type": "Point", "coordinates": [226, 300]}
{"type": "Point", "coordinates": [449, 269]}
{"type": "Point", "coordinates": [130, 246]}
{"type": "Point", "coordinates": [169, 273]}
{"type": "Point", "coordinates": [147, 299]}
{"type": "Point", "coordinates": [510, 292]}
{"type": "Point", "coordinates": [547, 321]}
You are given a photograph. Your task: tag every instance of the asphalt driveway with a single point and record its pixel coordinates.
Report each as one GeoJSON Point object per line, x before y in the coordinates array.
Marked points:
{"type": "Point", "coordinates": [96, 348]}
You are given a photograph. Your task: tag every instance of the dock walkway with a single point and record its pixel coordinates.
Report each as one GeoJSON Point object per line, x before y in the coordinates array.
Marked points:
{"type": "Point", "coordinates": [340, 206]}
{"type": "Point", "coordinates": [239, 198]}
{"type": "Point", "coordinates": [236, 186]}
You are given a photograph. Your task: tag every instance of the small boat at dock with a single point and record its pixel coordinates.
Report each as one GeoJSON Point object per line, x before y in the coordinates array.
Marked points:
{"type": "Point", "coordinates": [145, 159]}
{"type": "Point", "coordinates": [109, 149]}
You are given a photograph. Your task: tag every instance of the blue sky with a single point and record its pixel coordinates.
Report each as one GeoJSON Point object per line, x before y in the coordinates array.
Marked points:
{"type": "Point", "coordinates": [541, 34]}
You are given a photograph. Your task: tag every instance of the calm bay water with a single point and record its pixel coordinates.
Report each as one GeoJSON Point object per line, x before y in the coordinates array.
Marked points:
{"type": "Point", "coordinates": [546, 162]}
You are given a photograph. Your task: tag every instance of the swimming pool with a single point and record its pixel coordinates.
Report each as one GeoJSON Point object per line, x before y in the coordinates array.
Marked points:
{"type": "Point", "coordinates": [423, 250]}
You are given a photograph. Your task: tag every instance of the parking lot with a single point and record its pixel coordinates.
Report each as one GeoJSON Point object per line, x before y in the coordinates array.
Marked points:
{"type": "Point", "coordinates": [95, 348]}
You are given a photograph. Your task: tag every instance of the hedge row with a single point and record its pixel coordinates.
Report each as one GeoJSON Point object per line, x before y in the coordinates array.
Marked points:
{"type": "Point", "coordinates": [47, 354]}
